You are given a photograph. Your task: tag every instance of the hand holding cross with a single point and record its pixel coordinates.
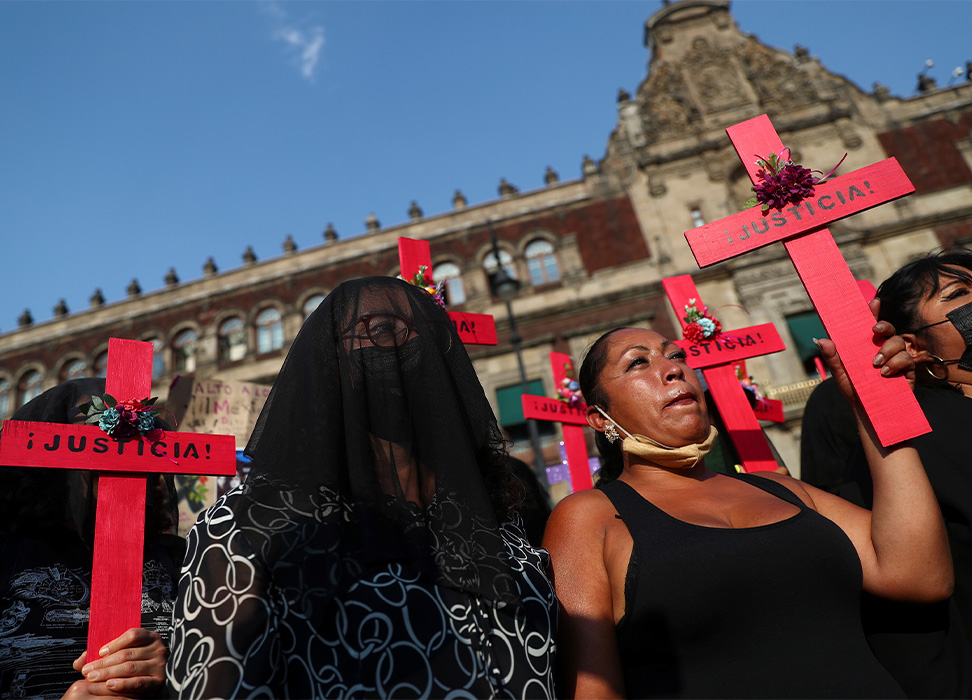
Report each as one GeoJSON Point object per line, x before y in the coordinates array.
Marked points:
{"type": "Point", "coordinates": [889, 403]}
{"type": "Point", "coordinates": [116, 579]}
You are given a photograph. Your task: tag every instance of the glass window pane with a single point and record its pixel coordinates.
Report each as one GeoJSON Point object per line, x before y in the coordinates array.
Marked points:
{"type": "Point", "coordinates": [6, 398]}
{"type": "Point", "coordinates": [31, 386]}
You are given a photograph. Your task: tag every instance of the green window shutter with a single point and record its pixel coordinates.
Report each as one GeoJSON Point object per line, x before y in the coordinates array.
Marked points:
{"type": "Point", "coordinates": [509, 403]}
{"type": "Point", "coordinates": [804, 328]}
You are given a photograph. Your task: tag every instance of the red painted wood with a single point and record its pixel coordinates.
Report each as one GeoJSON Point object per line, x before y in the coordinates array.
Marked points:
{"type": "Point", "coordinates": [824, 272]}
{"type": "Point", "coordinates": [572, 419]}
{"type": "Point", "coordinates": [821, 368]}
{"type": "Point", "coordinates": [412, 254]}
{"type": "Point", "coordinates": [729, 346]}
{"type": "Point", "coordinates": [744, 430]}
{"type": "Point", "coordinates": [732, 346]}
{"type": "Point", "coordinates": [578, 462]}
{"type": "Point", "coordinates": [116, 578]}
{"type": "Point", "coordinates": [769, 409]}
{"type": "Point", "coordinates": [835, 199]}
{"type": "Point", "coordinates": [546, 408]}
{"type": "Point", "coordinates": [116, 575]}
{"type": "Point", "coordinates": [754, 139]}
{"type": "Point", "coordinates": [562, 364]}
{"type": "Point", "coordinates": [474, 329]}
{"type": "Point", "coordinates": [719, 357]}
{"type": "Point", "coordinates": [889, 402]}
{"type": "Point", "coordinates": [868, 290]}
{"type": "Point", "coordinates": [29, 444]}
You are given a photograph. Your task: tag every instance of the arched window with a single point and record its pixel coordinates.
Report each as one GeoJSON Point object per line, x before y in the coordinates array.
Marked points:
{"type": "Point", "coordinates": [454, 291]}
{"type": "Point", "coordinates": [30, 386]}
{"type": "Point", "coordinates": [101, 365]}
{"type": "Point", "coordinates": [184, 350]}
{"type": "Point", "coordinates": [505, 259]}
{"type": "Point", "coordinates": [232, 340]}
{"type": "Point", "coordinates": [75, 369]}
{"type": "Point", "coordinates": [542, 262]}
{"type": "Point", "coordinates": [6, 397]}
{"type": "Point", "coordinates": [311, 304]}
{"type": "Point", "coordinates": [269, 327]}
{"type": "Point", "coordinates": [158, 357]}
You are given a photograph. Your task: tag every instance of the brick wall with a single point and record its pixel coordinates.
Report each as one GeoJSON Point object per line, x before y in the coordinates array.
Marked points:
{"type": "Point", "coordinates": [928, 153]}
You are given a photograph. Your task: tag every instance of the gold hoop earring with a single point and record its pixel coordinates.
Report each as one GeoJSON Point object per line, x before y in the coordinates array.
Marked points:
{"type": "Point", "coordinates": [611, 433]}
{"type": "Point", "coordinates": [936, 361]}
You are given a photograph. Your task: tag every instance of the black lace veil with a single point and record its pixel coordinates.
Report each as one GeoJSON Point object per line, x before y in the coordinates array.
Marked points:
{"type": "Point", "coordinates": [377, 445]}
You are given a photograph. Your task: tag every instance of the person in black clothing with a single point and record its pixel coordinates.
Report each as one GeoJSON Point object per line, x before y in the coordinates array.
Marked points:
{"type": "Point", "coordinates": [374, 549]}
{"type": "Point", "coordinates": [676, 581]}
{"type": "Point", "coordinates": [46, 540]}
{"type": "Point", "coordinates": [927, 648]}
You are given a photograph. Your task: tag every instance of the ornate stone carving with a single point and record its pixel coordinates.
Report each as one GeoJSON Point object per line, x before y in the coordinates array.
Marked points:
{"type": "Point", "coordinates": [656, 188]}
{"type": "Point", "coordinates": [720, 88]}
{"type": "Point", "coordinates": [776, 79]}
{"type": "Point", "coordinates": [666, 107]}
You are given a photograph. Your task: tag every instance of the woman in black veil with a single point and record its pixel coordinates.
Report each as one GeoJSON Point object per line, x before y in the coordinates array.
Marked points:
{"type": "Point", "coordinates": [46, 543]}
{"type": "Point", "coordinates": [372, 551]}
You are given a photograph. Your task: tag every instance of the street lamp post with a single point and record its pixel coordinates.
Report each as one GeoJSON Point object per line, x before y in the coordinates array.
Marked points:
{"type": "Point", "coordinates": [506, 287]}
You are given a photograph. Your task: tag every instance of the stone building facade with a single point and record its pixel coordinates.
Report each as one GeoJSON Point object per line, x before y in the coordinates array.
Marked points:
{"type": "Point", "coordinates": [590, 252]}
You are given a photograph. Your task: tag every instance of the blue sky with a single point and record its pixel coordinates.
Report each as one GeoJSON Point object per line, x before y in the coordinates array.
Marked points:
{"type": "Point", "coordinates": [139, 136]}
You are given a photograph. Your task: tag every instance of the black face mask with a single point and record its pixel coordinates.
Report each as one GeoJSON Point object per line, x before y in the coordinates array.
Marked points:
{"type": "Point", "coordinates": [961, 318]}
{"type": "Point", "coordinates": [390, 379]}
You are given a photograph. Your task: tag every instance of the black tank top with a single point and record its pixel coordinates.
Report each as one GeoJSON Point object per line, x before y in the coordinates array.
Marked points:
{"type": "Point", "coordinates": [767, 611]}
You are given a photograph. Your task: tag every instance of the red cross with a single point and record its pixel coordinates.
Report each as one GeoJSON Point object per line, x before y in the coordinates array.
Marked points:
{"type": "Point", "coordinates": [116, 578]}
{"type": "Point", "coordinates": [889, 403]}
{"type": "Point", "coordinates": [717, 358]}
{"type": "Point", "coordinates": [473, 329]}
{"type": "Point", "coordinates": [572, 418]}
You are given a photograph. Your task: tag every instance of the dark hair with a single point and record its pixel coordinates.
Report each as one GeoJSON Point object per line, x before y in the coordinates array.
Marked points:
{"type": "Point", "coordinates": [612, 459]}
{"type": "Point", "coordinates": [902, 293]}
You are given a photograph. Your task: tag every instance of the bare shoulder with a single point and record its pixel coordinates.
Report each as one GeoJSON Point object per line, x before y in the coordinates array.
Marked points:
{"type": "Point", "coordinates": [797, 487]}
{"type": "Point", "coordinates": [582, 515]}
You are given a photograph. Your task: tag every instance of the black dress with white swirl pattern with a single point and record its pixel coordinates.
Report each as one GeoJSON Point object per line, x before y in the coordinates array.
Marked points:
{"type": "Point", "coordinates": [245, 627]}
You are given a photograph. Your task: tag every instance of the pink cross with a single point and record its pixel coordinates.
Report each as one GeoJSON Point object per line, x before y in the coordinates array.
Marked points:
{"type": "Point", "coordinates": [473, 329]}
{"type": "Point", "coordinates": [765, 409]}
{"type": "Point", "coordinates": [116, 578]}
{"type": "Point", "coordinates": [572, 418]}
{"type": "Point", "coordinates": [717, 357]}
{"type": "Point", "coordinates": [889, 403]}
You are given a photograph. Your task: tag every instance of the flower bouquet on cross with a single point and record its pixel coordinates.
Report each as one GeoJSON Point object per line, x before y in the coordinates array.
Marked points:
{"type": "Point", "coordinates": [569, 390]}
{"type": "Point", "coordinates": [781, 181]}
{"type": "Point", "coordinates": [123, 419]}
{"type": "Point", "coordinates": [424, 281]}
{"type": "Point", "coordinates": [701, 325]}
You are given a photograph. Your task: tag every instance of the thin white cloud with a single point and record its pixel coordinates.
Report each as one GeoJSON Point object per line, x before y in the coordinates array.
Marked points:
{"type": "Point", "coordinates": [302, 43]}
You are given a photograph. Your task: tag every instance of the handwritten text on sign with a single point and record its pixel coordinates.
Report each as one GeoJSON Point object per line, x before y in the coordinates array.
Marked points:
{"type": "Point", "coordinates": [733, 346]}
{"type": "Point", "coordinates": [845, 195]}
{"type": "Point", "coordinates": [36, 444]}
{"type": "Point", "coordinates": [545, 408]}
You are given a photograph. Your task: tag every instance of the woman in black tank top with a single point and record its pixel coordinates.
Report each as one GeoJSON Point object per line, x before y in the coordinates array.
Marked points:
{"type": "Point", "coordinates": [675, 581]}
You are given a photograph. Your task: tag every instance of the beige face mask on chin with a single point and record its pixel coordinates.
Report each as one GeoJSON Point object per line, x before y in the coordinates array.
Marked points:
{"type": "Point", "coordinates": [684, 457]}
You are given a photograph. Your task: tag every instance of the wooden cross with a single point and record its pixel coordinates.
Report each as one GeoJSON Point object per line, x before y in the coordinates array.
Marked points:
{"type": "Point", "coordinates": [116, 577]}
{"type": "Point", "coordinates": [765, 408]}
{"type": "Point", "coordinates": [572, 419]}
{"type": "Point", "coordinates": [889, 403]}
{"type": "Point", "coordinates": [473, 329]}
{"type": "Point", "coordinates": [716, 357]}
